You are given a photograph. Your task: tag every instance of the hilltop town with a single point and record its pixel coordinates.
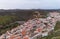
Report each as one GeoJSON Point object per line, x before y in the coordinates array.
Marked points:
{"type": "Point", "coordinates": [34, 28]}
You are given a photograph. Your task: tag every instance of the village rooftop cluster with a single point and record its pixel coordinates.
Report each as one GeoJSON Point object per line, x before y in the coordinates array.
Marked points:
{"type": "Point", "coordinates": [37, 27]}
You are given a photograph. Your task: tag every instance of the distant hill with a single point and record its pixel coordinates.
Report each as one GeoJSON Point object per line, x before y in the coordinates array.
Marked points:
{"type": "Point", "coordinates": [25, 13]}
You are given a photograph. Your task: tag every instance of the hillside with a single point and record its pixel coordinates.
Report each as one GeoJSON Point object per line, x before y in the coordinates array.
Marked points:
{"type": "Point", "coordinates": [10, 16]}
{"type": "Point", "coordinates": [25, 14]}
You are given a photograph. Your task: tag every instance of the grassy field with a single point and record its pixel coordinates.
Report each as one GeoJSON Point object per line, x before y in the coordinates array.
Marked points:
{"type": "Point", "coordinates": [5, 23]}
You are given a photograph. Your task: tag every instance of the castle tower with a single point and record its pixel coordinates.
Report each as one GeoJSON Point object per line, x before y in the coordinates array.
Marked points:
{"type": "Point", "coordinates": [36, 14]}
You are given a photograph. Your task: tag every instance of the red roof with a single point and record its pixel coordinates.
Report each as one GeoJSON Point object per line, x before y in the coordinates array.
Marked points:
{"type": "Point", "coordinates": [26, 37]}
{"type": "Point", "coordinates": [39, 29]}
{"type": "Point", "coordinates": [12, 37]}
{"type": "Point", "coordinates": [23, 32]}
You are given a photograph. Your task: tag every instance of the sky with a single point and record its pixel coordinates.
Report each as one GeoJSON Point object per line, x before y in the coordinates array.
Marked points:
{"type": "Point", "coordinates": [29, 4]}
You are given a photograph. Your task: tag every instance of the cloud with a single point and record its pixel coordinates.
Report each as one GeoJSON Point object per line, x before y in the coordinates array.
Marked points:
{"type": "Point", "coordinates": [29, 4]}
